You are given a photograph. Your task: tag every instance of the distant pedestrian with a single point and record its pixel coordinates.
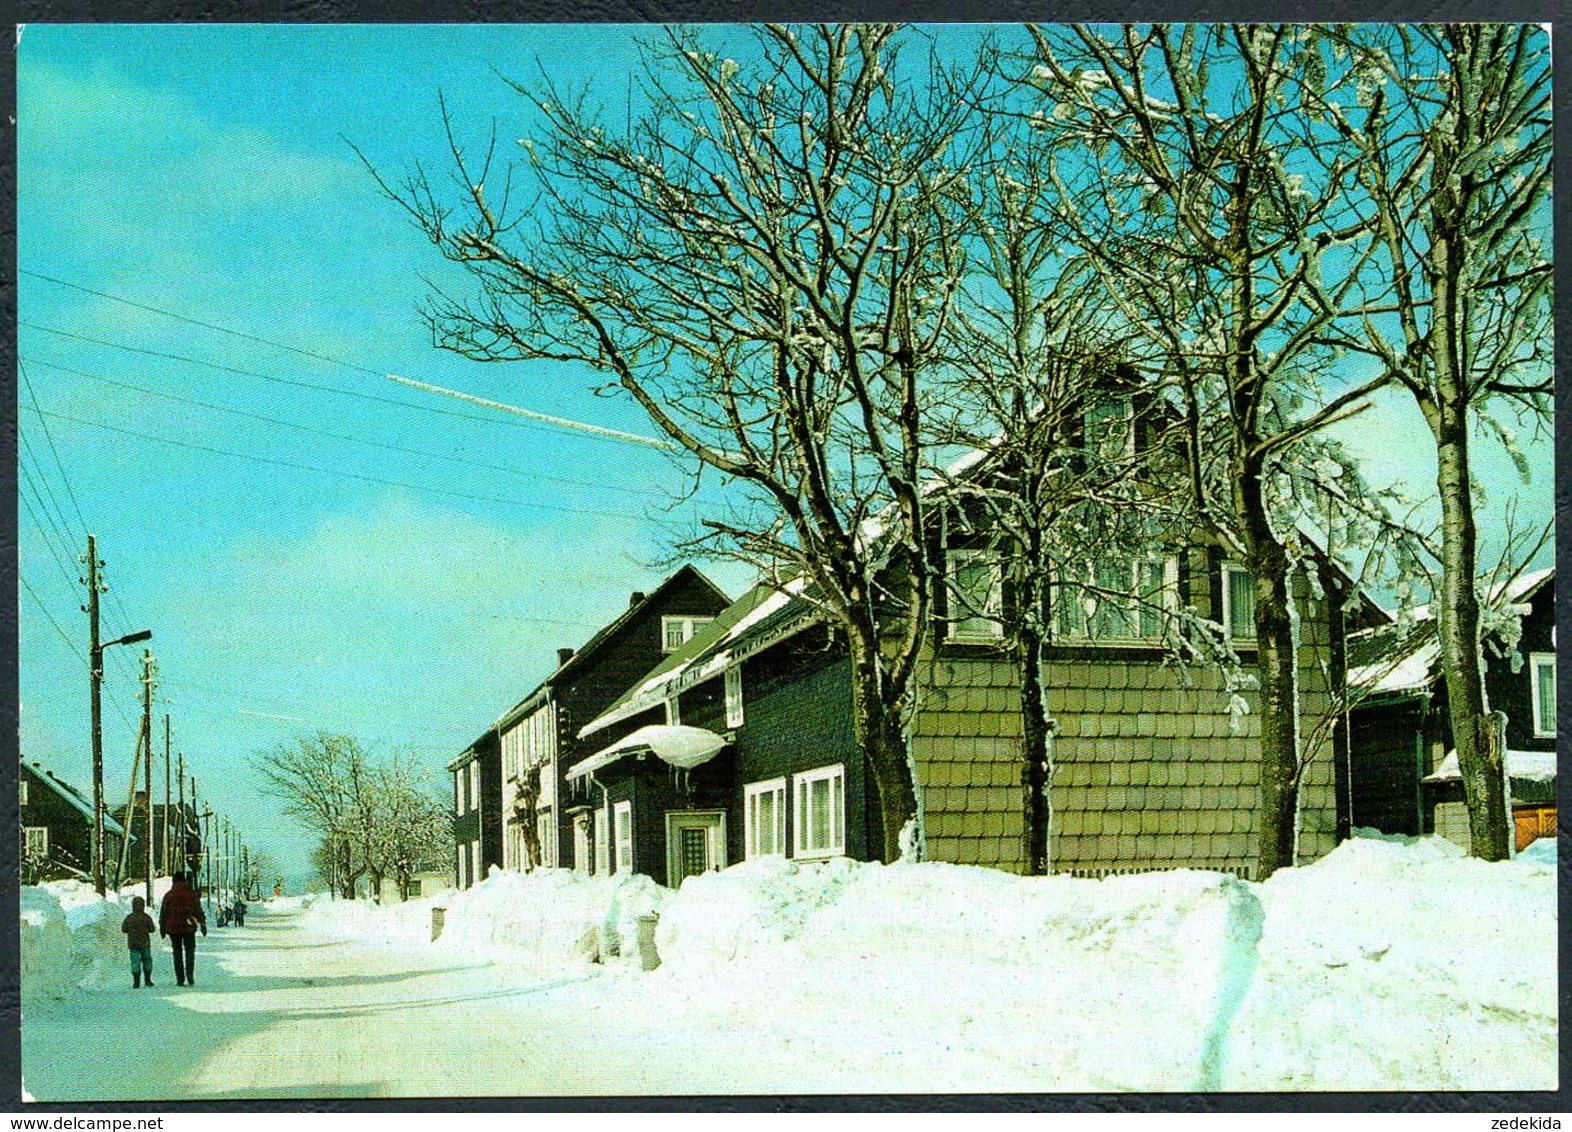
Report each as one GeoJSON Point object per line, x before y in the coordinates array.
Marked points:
{"type": "Point", "coordinates": [179, 917]}
{"type": "Point", "coordinates": [240, 912]}
{"type": "Point", "coordinates": [138, 927]}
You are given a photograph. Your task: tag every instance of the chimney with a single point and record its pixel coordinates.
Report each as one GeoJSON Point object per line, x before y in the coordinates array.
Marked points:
{"type": "Point", "coordinates": [638, 596]}
{"type": "Point", "coordinates": [563, 656]}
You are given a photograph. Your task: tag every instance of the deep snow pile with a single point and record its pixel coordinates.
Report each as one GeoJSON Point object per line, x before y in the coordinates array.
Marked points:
{"type": "Point", "coordinates": [1392, 963]}
{"type": "Point", "coordinates": [546, 919]}
{"type": "Point", "coordinates": [71, 938]}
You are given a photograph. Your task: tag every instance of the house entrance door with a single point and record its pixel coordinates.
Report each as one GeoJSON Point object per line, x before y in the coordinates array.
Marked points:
{"type": "Point", "coordinates": [695, 843]}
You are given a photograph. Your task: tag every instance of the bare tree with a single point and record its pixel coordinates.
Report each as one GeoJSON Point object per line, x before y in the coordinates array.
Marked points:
{"type": "Point", "coordinates": [410, 827]}
{"type": "Point", "coordinates": [1194, 173]}
{"type": "Point", "coordinates": [322, 780]}
{"type": "Point", "coordinates": [1456, 138]}
{"type": "Point", "coordinates": [763, 259]}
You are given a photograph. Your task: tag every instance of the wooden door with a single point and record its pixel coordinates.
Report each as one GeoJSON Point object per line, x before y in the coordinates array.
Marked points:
{"type": "Point", "coordinates": [1533, 822]}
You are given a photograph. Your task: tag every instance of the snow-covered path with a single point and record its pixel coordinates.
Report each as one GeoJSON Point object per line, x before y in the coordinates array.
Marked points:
{"type": "Point", "coordinates": [280, 1011]}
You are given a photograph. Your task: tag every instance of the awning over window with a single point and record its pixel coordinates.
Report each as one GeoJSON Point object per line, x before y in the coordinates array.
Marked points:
{"type": "Point", "coordinates": [684, 747]}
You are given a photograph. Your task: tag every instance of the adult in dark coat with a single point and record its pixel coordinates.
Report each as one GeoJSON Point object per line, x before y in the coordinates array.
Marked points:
{"type": "Point", "coordinates": [179, 917]}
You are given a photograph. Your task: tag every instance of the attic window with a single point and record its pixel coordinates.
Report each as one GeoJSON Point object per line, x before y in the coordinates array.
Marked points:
{"type": "Point", "coordinates": [36, 841]}
{"type": "Point", "coordinates": [1110, 431]}
{"type": "Point", "coordinates": [678, 631]}
{"type": "Point", "coordinates": [976, 593]}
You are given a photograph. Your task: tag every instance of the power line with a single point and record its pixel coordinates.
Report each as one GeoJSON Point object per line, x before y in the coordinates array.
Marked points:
{"type": "Point", "coordinates": [59, 463]}
{"type": "Point", "coordinates": [341, 436]}
{"type": "Point", "coordinates": [337, 472]}
{"type": "Point", "coordinates": [198, 322]}
{"type": "Point", "coordinates": [44, 609]}
{"type": "Point", "coordinates": [535, 421]}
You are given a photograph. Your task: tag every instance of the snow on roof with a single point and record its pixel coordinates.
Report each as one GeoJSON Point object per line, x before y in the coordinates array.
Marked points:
{"type": "Point", "coordinates": [78, 802]}
{"type": "Point", "coordinates": [682, 747]}
{"type": "Point", "coordinates": [1527, 766]}
{"type": "Point", "coordinates": [1402, 673]}
{"type": "Point", "coordinates": [736, 632]}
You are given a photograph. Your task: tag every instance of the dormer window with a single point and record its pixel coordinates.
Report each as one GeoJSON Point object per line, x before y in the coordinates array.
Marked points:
{"type": "Point", "coordinates": [678, 631]}
{"type": "Point", "coordinates": [1110, 431]}
{"type": "Point", "coordinates": [976, 595]}
{"type": "Point", "coordinates": [1116, 600]}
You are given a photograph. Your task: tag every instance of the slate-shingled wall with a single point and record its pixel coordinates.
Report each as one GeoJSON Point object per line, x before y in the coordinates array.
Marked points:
{"type": "Point", "coordinates": [1148, 773]}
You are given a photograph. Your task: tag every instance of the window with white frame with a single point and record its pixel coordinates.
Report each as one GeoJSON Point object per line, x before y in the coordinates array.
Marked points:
{"type": "Point", "coordinates": [1238, 602]}
{"type": "Point", "coordinates": [734, 696]}
{"type": "Point", "coordinates": [35, 841]}
{"type": "Point", "coordinates": [474, 862]}
{"type": "Point", "coordinates": [22, 793]}
{"type": "Point", "coordinates": [530, 742]}
{"type": "Point", "coordinates": [622, 816]}
{"type": "Point", "coordinates": [1115, 599]}
{"type": "Point", "coordinates": [546, 831]}
{"type": "Point", "coordinates": [1542, 690]}
{"type": "Point", "coordinates": [678, 631]}
{"type": "Point", "coordinates": [976, 592]}
{"type": "Point", "coordinates": [474, 786]}
{"type": "Point", "coordinates": [458, 791]}
{"type": "Point", "coordinates": [603, 841]}
{"type": "Point", "coordinates": [463, 865]}
{"type": "Point", "coordinates": [764, 818]}
{"type": "Point", "coordinates": [819, 819]}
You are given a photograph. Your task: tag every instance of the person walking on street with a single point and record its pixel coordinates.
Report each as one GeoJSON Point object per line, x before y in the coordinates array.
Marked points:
{"type": "Point", "coordinates": [138, 927]}
{"type": "Point", "coordinates": [240, 912]}
{"type": "Point", "coordinates": [179, 917]}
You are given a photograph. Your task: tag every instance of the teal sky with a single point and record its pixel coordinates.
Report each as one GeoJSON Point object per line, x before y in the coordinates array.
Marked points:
{"type": "Point", "coordinates": [205, 171]}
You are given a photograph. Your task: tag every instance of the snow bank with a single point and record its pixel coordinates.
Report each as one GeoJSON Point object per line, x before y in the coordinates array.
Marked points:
{"type": "Point", "coordinates": [71, 938]}
{"type": "Point", "coordinates": [548, 918]}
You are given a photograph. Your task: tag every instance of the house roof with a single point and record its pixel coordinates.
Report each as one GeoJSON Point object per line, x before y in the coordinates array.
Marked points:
{"type": "Point", "coordinates": [71, 794]}
{"type": "Point", "coordinates": [1525, 766]}
{"type": "Point", "coordinates": [1404, 659]}
{"type": "Point", "coordinates": [767, 613]}
{"type": "Point", "coordinates": [584, 654]}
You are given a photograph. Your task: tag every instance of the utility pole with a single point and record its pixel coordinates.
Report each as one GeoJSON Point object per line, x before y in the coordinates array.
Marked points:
{"type": "Point", "coordinates": [198, 870]}
{"type": "Point", "coordinates": [167, 798]}
{"type": "Point", "coordinates": [122, 871]}
{"type": "Point", "coordinates": [207, 827]}
{"type": "Point", "coordinates": [185, 828]}
{"type": "Point", "coordinates": [147, 727]}
{"type": "Point", "coordinates": [96, 676]}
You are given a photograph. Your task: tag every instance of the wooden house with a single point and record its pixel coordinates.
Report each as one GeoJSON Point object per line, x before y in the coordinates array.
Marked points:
{"type": "Point", "coordinates": [57, 828]}
{"type": "Point", "coordinates": [1152, 769]}
{"type": "Point", "coordinates": [1405, 773]}
{"type": "Point", "coordinates": [534, 742]}
{"type": "Point", "coordinates": [477, 810]}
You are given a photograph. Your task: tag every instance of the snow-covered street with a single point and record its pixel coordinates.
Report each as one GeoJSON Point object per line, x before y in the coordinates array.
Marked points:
{"type": "Point", "coordinates": [1392, 964]}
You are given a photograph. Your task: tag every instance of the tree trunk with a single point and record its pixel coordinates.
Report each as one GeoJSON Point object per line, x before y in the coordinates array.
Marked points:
{"type": "Point", "coordinates": [1480, 757]}
{"type": "Point", "coordinates": [1277, 666]}
{"type": "Point", "coordinates": [1037, 727]}
{"type": "Point", "coordinates": [883, 735]}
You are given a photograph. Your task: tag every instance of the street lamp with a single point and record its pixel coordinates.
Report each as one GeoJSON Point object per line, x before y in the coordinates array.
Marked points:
{"type": "Point", "coordinates": [98, 742]}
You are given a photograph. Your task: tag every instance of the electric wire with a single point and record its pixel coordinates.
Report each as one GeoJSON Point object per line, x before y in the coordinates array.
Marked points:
{"type": "Point", "coordinates": [340, 472]}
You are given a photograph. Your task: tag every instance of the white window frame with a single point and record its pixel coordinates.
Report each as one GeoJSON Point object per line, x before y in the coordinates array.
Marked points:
{"type": "Point", "coordinates": [581, 843]}
{"type": "Point", "coordinates": [22, 792]}
{"type": "Point", "coordinates": [28, 837]}
{"type": "Point", "coordinates": [463, 865]}
{"type": "Point", "coordinates": [623, 836]}
{"type": "Point", "coordinates": [734, 710]}
{"type": "Point", "coordinates": [546, 831]}
{"type": "Point", "coordinates": [603, 841]}
{"type": "Point", "coordinates": [1170, 602]}
{"type": "Point", "coordinates": [1537, 661]}
{"type": "Point", "coordinates": [474, 862]}
{"type": "Point", "coordinates": [751, 793]}
{"type": "Point", "coordinates": [993, 611]}
{"type": "Point", "coordinates": [474, 786]}
{"type": "Point", "coordinates": [802, 810]}
{"type": "Point", "coordinates": [1224, 578]}
{"type": "Point", "coordinates": [690, 627]}
{"type": "Point", "coordinates": [458, 791]}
